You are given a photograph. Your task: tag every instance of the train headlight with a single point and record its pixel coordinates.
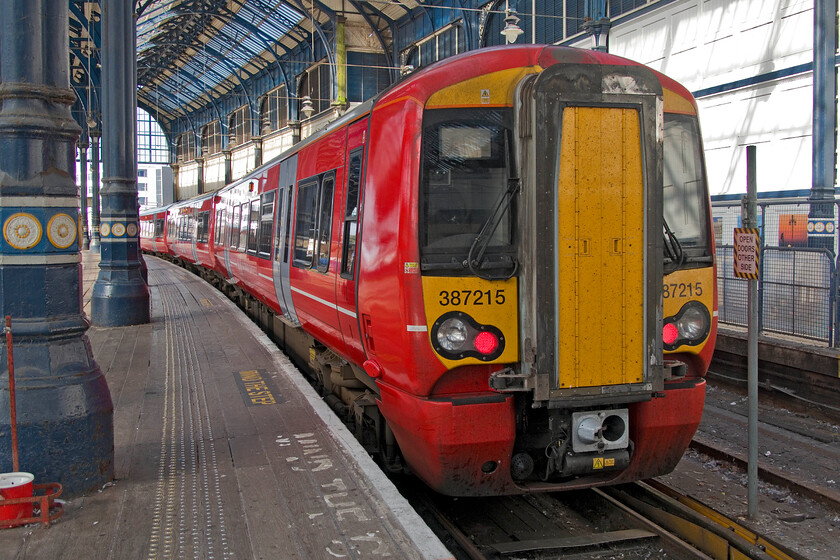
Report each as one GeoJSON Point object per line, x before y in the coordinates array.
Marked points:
{"type": "Point", "coordinates": [452, 334]}
{"type": "Point", "coordinates": [456, 335]}
{"type": "Point", "coordinates": [693, 324]}
{"type": "Point", "coordinates": [689, 327]}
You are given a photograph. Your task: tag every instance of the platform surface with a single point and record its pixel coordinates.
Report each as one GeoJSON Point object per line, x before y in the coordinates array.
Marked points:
{"type": "Point", "coordinates": [222, 450]}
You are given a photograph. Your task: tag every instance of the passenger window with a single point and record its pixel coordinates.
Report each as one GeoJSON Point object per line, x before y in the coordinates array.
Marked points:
{"type": "Point", "coordinates": [266, 224]}
{"type": "Point", "coordinates": [253, 225]}
{"type": "Point", "coordinates": [305, 224]}
{"type": "Point", "coordinates": [313, 222]}
{"type": "Point", "coordinates": [351, 214]}
{"type": "Point", "coordinates": [243, 225]}
{"type": "Point", "coordinates": [234, 229]}
{"type": "Point", "coordinates": [325, 223]}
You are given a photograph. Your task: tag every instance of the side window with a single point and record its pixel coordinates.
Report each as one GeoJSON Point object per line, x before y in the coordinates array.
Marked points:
{"type": "Point", "coordinates": [234, 228]}
{"type": "Point", "coordinates": [288, 242]}
{"type": "Point", "coordinates": [202, 229]}
{"type": "Point", "coordinates": [325, 222]}
{"type": "Point", "coordinates": [351, 214]}
{"type": "Point", "coordinates": [243, 225]}
{"type": "Point", "coordinates": [217, 226]}
{"type": "Point", "coordinates": [253, 225]}
{"type": "Point", "coordinates": [278, 233]}
{"type": "Point", "coordinates": [159, 227]}
{"type": "Point", "coordinates": [313, 222]}
{"type": "Point", "coordinates": [266, 225]}
{"type": "Point", "coordinates": [305, 223]}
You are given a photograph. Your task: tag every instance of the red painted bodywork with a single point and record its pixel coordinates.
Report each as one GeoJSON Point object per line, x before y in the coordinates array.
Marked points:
{"type": "Point", "coordinates": [447, 423]}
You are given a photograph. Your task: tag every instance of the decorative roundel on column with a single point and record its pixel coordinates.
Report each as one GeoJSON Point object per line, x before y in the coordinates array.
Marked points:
{"type": "Point", "coordinates": [22, 231]}
{"type": "Point", "coordinates": [131, 229]}
{"type": "Point", "coordinates": [61, 230]}
{"type": "Point", "coordinates": [118, 229]}
{"type": "Point", "coordinates": [104, 230]}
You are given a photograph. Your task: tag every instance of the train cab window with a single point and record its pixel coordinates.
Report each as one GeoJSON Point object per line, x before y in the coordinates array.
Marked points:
{"type": "Point", "coordinates": [234, 228]}
{"type": "Point", "coordinates": [351, 214]}
{"type": "Point", "coordinates": [313, 222]}
{"type": "Point", "coordinates": [253, 225]}
{"type": "Point", "coordinates": [466, 172]}
{"type": "Point", "coordinates": [684, 199]}
{"type": "Point", "coordinates": [266, 225]}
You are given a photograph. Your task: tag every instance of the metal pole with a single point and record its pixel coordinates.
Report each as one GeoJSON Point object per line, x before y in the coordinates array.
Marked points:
{"type": "Point", "coordinates": [94, 196]}
{"type": "Point", "coordinates": [119, 296]}
{"type": "Point", "coordinates": [823, 138]}
{"type": "Point", "coordinates": [83, 171]}
{"type": "Point", "coordinates": [12, 396]}
{"type": "Point", "coordinates": [750, 220]}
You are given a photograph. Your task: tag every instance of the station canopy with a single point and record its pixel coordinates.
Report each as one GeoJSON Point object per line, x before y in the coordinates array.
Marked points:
{"type": "Point", "coordinates": [192, 52]}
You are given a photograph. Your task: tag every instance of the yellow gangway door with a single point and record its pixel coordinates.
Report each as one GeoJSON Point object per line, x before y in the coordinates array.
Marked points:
{"type": "Point", "coordinates": [600, 245]}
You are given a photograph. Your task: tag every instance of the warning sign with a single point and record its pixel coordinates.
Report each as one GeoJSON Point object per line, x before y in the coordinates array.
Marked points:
{"type": "Point", "coordinates": [747, 253]}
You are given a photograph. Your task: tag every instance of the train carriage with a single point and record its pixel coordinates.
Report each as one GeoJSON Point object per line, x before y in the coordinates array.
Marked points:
{"type": "Point", "coordinates": [502, 266]}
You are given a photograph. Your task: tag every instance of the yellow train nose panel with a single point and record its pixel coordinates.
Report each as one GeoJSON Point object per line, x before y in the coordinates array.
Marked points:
{"type": "Point", "coordinates": [600, 274]}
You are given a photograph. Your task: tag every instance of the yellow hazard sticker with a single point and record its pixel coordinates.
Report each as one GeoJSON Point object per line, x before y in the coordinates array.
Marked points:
{"type": "Point", "coordinates": [598, 463]}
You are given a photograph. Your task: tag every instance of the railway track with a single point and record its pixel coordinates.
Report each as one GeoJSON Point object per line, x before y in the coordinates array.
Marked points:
{"type": "Point", "coordinates": [642, 520]}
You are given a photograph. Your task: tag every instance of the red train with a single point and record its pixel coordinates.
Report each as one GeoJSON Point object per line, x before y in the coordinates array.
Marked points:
{"type": "Point", "coordinates": [502, 266]}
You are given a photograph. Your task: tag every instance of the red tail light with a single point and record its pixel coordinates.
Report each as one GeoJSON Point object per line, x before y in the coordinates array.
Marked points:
{"type": "Point", "coordinates": [670, 333]}
{"type": "Point", "coordinates": [486, 342]}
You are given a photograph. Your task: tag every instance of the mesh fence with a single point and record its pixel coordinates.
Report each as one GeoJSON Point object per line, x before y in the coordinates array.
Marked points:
{"type": "Point", "coordinates": [797, 285]}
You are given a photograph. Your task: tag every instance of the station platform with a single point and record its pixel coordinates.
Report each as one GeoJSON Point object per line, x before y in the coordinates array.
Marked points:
{"type": "Point", "coordinates": [222, 450]}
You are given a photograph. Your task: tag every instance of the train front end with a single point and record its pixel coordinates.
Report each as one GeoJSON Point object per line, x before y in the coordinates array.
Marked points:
{"type": "Point", "coordinates": [567, 275]}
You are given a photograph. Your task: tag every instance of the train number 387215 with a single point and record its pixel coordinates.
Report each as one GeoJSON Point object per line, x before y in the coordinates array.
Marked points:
{"type": "Point", "coordinates": [681, 290]}
{"type": "Point", "coordinates": [471, 297]}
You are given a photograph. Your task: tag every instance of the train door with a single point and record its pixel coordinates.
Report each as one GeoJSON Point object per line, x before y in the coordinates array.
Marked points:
{"type": "Point", "coordinates": [345, 289]}
{"type": "Point", "coordinates": [282, 242]}
{"type": "Point", "coordinates": [600, 184]}
{"type": "Point", "coordinates": [193, 233]}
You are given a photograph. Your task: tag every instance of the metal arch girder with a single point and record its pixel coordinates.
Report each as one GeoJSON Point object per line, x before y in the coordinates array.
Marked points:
{"type": "Point", "coordinates": [468, 23]}
{"type": "Point", "coordinates": [178, 101]}
{"type": "Point", "coordinates": [482, 28]}
{"type": "Point", "coordinates": [174, 118]}
{"type": "Point", "coordinates": [317, 25]}
{"type": "Point", "coordinates": [301, 31]}
{"type": "Point", "coordinates": [220, 57]}
{"type": "Point", "coordinates": [269, 46]}
{"type": "Point", "coordinates": [139, 9]}
{"type": "Point", "coordinates": [390, 54]}
{"type": "Point", "coordinates": [80, 16]}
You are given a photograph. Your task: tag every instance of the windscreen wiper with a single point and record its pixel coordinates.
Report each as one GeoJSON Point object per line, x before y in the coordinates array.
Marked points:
{"type": "Point", "coordinates": [475, 258]}
{"type": "Point", "coordinates": [673, 249]}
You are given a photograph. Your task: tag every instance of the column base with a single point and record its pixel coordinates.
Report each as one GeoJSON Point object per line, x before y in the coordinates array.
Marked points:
{"type": "Point", "coordinates": [119, 303]}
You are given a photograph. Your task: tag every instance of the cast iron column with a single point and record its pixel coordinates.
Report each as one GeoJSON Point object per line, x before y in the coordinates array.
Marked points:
{"type": "Point", "coordinates": [64, 410]}
{"type": "Point", "coordinates": [821, 217]}
{"type": "Point", "coordinates": [94, 195]}
{"type": "Point", "coordinates": [120, 295]}
{"type": "Point", "coordinates": [83, 170]}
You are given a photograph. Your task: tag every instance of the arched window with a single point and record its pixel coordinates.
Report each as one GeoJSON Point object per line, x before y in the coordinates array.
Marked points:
{"type": "Point", "coordinates": [185, 147]}
{"type": "Point", "coordinates": [274, 110]}
{"type": "Point", "coordinates": [239, 126]}
{"type": "Point", "coordinates": [211, 138]}
{"type": "Point", "coordinates": [315, 83]}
